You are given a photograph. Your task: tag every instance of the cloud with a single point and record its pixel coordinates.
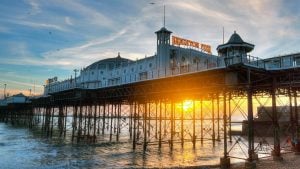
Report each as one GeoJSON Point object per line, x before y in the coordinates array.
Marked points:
{"type": "Point", "coordinates": [137, 38]}
{"type": "Point", "coordinates": [87, 13]}
{"type": "Point", "coordinates": [41, 25]}
{"type": "Point", "coordinates": [68, 21]}
{"type": "Point", "coordinates": [96, 30]}
{"type": "Point", "coordinates": [35, 7]}
{"type": "Point", "coordinates": [20, 83]}
{"type": "Point", "coordinates": [258, 22]}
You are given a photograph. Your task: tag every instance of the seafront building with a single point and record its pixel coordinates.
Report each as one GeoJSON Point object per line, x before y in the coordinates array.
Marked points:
{"type": "Point", "coordinates": [169, 60]}
{"type": "Point", "coordinates": [179, 57]}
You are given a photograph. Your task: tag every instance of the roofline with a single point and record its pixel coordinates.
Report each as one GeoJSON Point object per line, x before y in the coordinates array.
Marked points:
{"type": "Point", "coordinates": [226, 45]}
{"type": "Point", "coordinates": [163, 29]}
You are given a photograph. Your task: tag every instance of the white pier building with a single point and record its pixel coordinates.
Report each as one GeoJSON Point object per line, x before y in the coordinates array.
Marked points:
{"type": "Point", "coordinates": [171, 59]}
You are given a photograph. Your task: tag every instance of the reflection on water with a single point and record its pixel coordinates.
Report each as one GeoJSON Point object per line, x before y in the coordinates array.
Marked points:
{"type": "Point", "coordinates": [23, 148]}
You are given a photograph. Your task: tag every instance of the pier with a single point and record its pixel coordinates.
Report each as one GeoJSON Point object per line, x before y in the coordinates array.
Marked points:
{"type": "Point", "coordinates": [192, 107]}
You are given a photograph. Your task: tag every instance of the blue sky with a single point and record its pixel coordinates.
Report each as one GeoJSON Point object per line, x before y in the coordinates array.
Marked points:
{"type": "Point", "coordinates": [46, 38]}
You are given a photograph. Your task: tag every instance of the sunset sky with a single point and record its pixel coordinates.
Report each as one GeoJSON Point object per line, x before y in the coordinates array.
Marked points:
{"type": "Point", "coordinates": [40, 39]}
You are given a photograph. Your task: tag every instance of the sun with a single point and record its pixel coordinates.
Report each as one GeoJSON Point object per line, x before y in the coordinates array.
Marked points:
{"type": "Point", "coordinates": [187, 105]}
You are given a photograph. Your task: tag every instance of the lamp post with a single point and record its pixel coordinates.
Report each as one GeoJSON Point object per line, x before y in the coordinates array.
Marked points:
{"type": "Point", "coordinates": [75, 71]}
{"type": "Point", "coordinates": [4, 93]}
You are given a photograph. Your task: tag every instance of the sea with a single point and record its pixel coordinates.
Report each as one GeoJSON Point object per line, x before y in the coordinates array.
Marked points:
{"type": "Point", "coordinates": [25, 148]}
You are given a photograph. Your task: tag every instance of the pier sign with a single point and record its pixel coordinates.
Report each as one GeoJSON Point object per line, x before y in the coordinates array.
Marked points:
{"type": "Point", "coordinates": [51, 80]}
{"type": "Point", "coordinates": [180, 41]}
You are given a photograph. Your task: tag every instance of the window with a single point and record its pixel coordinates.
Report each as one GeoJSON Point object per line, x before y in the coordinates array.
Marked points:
{"type": "Point", "coordinates": [141, 67]}
{"type": "Point", "coordinates": [143, 76]}
{"type": "Point", "coordinates": [111, 66]}
{"type": "Point", "coordinates": [297, 61]}
{"type": "Point", "coordinates": [101, 66]}
{"type": "Point", "coordinates": [196, 60]}
{"type": "Point", "coordinates": [150, 64]}
{"type": "Point", "coordinates": [183, 59]}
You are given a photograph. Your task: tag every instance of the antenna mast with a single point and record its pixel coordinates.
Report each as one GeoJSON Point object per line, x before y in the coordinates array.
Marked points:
{"type": "Point", "coordinates": [223, 34]}
{"type": "Point", "coordinates": [164, 15]}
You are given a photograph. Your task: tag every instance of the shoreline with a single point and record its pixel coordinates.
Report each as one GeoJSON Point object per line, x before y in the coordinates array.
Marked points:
{"type": "Point", "coordinates": [290, 161]}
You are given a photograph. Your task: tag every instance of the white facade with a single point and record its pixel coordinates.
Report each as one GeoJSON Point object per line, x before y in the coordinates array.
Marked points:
{"type": "Point", "coordinates": [169, 61]}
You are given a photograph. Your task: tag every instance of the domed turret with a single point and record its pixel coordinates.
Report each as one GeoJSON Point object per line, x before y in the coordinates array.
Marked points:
{"type": "Point", "coordinates": [235, 50]}
{"type": "Point", "coordinates": [163, 49]}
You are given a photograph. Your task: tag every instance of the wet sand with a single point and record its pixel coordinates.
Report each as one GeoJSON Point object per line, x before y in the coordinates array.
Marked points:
{"type": "Point", "coordinates": [290, 161]}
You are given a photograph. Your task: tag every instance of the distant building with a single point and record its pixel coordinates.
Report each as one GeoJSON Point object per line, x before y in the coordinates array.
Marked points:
{"type": "Point", "coordinates": [283, 113]}
{"type": "Point", "coordinates": [263, 122]}
{"type": "Point", "coordinates": [3, 102]}
{"type": "Point", "coordinates": [18, 98]}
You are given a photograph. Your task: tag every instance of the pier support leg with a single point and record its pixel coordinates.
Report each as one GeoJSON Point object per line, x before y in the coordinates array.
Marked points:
{"type": "Point", "coordinates": [95, 122]}
{"type": "Point", "coordinates": [156, 119]}
{"type": "Point", "coordinates": [201, 119]}
{"type": "Point", "coordinates": [194, 125]}
{"type": "Point", "coordinates": [225, 160]}
{"type": "Point", "coordinates": [229, 113]}
{"type": "Point", "coordinates": [160, 121]}
{"type": "Point", "coordinates": [145, 127]}
{"type": "Point", "coordinates": [218, 118]}
{"type": "Point", "coordinates": [79, 133]}
{"type": "Point", "coordinates": [103, 118]}
{"type": "Point", "coordinates": [111, 122]}
{"type": "Point", "coordinates": [250, 163]}
{"type": "Point", "coordinates": [118, 121]}
{"type": "Point", "coordinates": [130, 120]}
{"type": "Point", "coordinates": [52, 121]}
{"type": "Point", "coordinates": [134, 127]}
{"type": "Point", "coordinates": [172, 125]}
{"type": "Point", "coordinates": [213, 120]}
{"type": "Point", "coordinates": [182, 126]}
{"type": "Point", "coordinates": [296, 121]}
{"type": "Point", "coordinates": [65, 121]}
{"type": "Point", "coordinates": [276, 152]}
{"type": "Point", "coordinates": [138, 122]}
{"type": "Point", "coordinates": [74, 123]}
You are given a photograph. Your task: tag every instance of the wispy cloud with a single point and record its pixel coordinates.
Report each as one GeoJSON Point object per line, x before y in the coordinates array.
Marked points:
{"type": "Point", "coordinates": [35, 7]}
{"type": "Point", "coordinates": [68, 20]}
{"type": "Point", "coordinates": [88, 13]}
{"type": "Point", "coordinates": [41, 25]}
{"type": "Point", "coordinates": [90, 31]}
{"type": "Point", "coordinates": [19, 83]}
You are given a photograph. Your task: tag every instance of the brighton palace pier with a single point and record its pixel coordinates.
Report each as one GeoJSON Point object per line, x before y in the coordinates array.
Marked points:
{"type": "Point", "coordinates": [181, 95]}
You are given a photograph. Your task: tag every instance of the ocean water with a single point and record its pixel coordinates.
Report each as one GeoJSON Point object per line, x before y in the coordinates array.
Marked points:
{"type": "Point", "coordinates": [25, 148]}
